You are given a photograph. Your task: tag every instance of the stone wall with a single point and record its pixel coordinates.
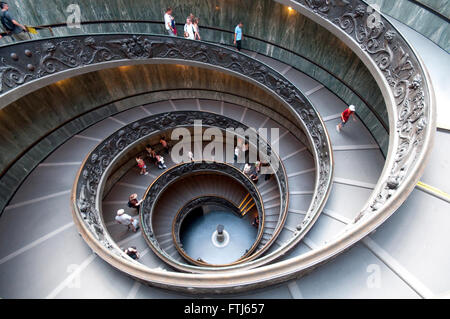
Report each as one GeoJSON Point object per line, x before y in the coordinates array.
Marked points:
{"type": "Point", "coordinates": [264, 19]}
{"type": "Point", "coordinates": [420, 19]}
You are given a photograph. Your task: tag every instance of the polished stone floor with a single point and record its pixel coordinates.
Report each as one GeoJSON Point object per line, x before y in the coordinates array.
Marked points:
{"type": "Point", "coordinates": [42, 255]}
{"type": "Point", "coordinates": [199, 237]}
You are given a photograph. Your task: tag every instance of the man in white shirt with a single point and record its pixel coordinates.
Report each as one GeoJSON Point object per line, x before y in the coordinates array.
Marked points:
{"type": "Point", "coordinates": [189, 30]}
{"type": "Point", "coordinates": [168, 22]}
{"type": "Point", "coordinates": [247, 169]}
{"type": "Point", "coordinates": [127, 220]}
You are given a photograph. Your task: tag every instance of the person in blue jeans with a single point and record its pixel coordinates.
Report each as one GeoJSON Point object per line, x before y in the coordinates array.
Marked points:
{"type": "Point", "coordinates": [238, 36]}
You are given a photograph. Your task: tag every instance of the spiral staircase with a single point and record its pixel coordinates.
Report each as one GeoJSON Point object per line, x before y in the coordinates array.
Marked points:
{"type": "Point", "coordinates": [324, 230]}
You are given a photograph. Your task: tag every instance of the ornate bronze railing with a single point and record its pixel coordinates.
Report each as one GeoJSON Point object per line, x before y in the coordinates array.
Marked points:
{"type": "Point", "coordinates": [308, 60]}
{"type": "Point", "coordinates": [410, 101]}
{"type": "Point", "coordinates": [184, 170]}
{"type": "Point", "coordinates": [92, 176]}
{"type": "Point", "coordinates": [57, 58]}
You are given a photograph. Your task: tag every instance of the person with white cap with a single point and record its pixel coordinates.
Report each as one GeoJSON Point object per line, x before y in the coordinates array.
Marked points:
{"type": "Point", "coordinates": [125, 219]}
{"type": "Point", "coordinates": [345, 116]}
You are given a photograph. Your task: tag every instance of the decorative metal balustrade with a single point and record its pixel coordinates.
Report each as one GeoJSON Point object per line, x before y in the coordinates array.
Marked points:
{"type": "Point", "coordinates": [184, 170]}
{"type": "Point", "coordinates": [94, 172]}
{"type": "Point", "coordinates": [392, 61]}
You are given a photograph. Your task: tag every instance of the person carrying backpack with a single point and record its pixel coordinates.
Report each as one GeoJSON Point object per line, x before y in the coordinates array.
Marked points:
{"type": "Point", "coordinates": [13, 28]}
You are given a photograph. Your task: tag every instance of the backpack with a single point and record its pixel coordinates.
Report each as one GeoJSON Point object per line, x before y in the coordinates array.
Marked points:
{"type": "Point", "coordinates": [6, 22]}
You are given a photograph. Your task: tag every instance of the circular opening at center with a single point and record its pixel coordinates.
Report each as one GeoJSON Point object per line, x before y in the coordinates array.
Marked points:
{"type": "Point", "coordinates": [204, 240]}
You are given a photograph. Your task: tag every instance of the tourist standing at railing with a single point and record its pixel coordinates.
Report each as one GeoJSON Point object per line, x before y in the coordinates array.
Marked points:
{"type": "Point", "coordinates": [169, 22]}
{"type": "Point", "coordinates": [247, 169]}
{"type": "Point", "coordinates": [268, 172]}
{"type": "Point", "coordinates": [13, 28]}
{"type": "Point", "coordinates": [190, 156]}
{"type": "Point", "coordinates": [196, 29]}
{"type": "Point", "coordinates": [350, 111]}
{"type": "Point", "coordinates": [238, 36]}
{"type": "Point", "coordinates": [237, 152]}
{"type": "Point", "coordinates": [189, 30]}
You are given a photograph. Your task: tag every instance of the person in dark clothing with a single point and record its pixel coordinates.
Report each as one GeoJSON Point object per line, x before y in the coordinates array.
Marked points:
{"type": "Point", "coordinates": [132, 252]}
{"type": "Point", "coordinates": [151, 153]}
{"type": "Point", "coordinates": [254, 177]}
{"type": "Point", "coordinates": [133, 202]}
{"type": "Point", "coordinates": [255, 221]}
{"type": "Point", "coordinates": [268, 171]}
{"type": "Point", "coordinates": [13, 28]}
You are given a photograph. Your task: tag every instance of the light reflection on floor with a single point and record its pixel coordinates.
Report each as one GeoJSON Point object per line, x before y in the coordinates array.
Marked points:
{"type": "Point", "coordinates": [196, 237]}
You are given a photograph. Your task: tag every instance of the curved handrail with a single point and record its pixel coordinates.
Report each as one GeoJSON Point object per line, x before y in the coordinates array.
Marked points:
{"type": "Point", "coordinates": [331, 73]}
{"type": "Point", "coordinates": [184, 170]}
{"type": "Point", "coordinates": [87, 192]}
{"type": "Point", "coordinates": [148, 48]}
{"type": "Point", "coordinates": [410, 100]}
{"type": "Point", "coordinates": [186, 209]}
{"type": "Point", "coordinates": [56, 58]}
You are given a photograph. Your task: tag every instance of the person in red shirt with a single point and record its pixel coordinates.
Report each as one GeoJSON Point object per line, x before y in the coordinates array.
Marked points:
{"type": "Point", "coordinates": [345, 116]}
{"type": "Point", "coordinates": [141, 165]}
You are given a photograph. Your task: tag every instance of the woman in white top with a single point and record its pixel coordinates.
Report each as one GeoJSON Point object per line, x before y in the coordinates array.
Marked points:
{"type": "Point", "coordinates": [189, 30]}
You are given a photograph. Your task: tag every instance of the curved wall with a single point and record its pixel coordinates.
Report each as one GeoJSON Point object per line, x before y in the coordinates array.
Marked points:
{"type": "Point", "coordinates": [35, 115]}
{"type": "Point", "coordinates": [264, 19]}
{"type": "Point", "coordinates": [66, 107]}
{"type": "Point", "coordinates": [419, 18]}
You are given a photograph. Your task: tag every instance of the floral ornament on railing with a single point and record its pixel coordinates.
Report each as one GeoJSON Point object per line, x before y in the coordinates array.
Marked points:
{"type": "Point", "coordinates": [395, 60]}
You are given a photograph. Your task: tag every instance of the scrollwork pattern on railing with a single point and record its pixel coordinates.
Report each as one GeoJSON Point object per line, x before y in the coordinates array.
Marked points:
{"type": "Point", "coordinates": [184, 170]}
{"type": "Point", "coordinates": [104, 154]}
{"type": "Point", "coordinates": [55, 55]}
{"type": "Point", "coordinates": [402, 71]}
{"type": "Point", "coordinates": [394, 58]}
{"type": "Point", "coordinates": [45, 58]}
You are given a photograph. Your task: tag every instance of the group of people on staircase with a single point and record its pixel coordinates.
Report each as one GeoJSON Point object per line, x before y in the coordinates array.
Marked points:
{"type": "Point", "coordinates": [192, 30]}
{"type": "Point", "coordinates": [241, 151]}
{"type": "Point", "coordinates": [154, 157]}
{"type": "Point", "coordinates": [132, 222]}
